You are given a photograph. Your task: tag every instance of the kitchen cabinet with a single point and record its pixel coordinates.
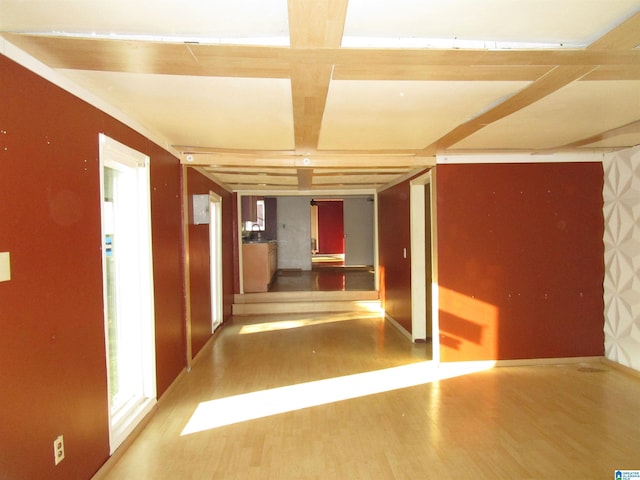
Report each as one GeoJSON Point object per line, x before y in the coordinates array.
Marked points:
{"type": "Point", "coordinates": [259, 264]}
{"type": "Point", "coordinates": [249, 209]}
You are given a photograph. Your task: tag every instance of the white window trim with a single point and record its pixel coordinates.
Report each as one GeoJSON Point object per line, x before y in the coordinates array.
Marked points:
{"type": "Point", "coordinates": [122, 423]}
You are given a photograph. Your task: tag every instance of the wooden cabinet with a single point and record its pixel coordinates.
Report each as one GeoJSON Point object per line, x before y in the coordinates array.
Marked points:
{"type": "Point", "coordinates": [249, 209]}
{"type": "Point", "coordinates": [259, 264]}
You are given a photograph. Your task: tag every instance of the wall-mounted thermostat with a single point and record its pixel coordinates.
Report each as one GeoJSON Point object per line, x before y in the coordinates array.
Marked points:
{"type": "Point", "coordinates": [200, 209]}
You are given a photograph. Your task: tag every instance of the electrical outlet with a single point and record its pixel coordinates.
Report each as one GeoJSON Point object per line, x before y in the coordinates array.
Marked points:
{"type": "Point", "coordinates": [58, 449]}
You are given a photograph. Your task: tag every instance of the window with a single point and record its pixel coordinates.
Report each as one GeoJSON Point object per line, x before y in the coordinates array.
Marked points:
{"type": "Point", "coordinates": [259, 223]}
{"type": "Point", "coordinates": [128, 292]}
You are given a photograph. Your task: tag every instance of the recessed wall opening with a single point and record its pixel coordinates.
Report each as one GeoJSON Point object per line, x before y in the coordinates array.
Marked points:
{"type": "Point", "coordinates": [424, 324]}
{"type": "Point", "coordinates": [311, 234]}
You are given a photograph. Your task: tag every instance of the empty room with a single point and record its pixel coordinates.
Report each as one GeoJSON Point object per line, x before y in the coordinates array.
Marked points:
{"type": "Point", "coordinates": [313, 239]}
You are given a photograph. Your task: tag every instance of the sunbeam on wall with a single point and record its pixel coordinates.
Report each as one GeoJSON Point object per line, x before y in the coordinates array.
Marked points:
{"type": "Point", "coordinates": [469, 321]}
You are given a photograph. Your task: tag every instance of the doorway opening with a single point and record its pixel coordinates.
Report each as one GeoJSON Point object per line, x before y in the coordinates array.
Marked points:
{"type": "Point", "coordinates": [127, 286]}
{"type": "Point", "coordinates": [424, 326]}
{"type": "Point", "coordinates": [327, 233]}
{"type": "Point", "coordinates": [291, 223]}
{"type": "Point", "coordinates": [342, 232]}
{"type": "Point", "coordinates": [215, 255]}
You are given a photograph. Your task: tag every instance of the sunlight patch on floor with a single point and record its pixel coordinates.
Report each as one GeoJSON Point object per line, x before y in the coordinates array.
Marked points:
{"type": "Point", "coordinates": [371, 306]}
{"type": "Point", "coordinates": [240, 408]}
{"type": "Point", "coordinates": [305, 322]}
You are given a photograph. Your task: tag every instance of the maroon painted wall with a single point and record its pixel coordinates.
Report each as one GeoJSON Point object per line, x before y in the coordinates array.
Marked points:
{"type": "Point", "coordinates": [52, 358]}
{"type": "Point", "coordinates": [199, 260]}
{"type": "Point", "coordinates": [394, 236]}
{"type": "Point", "coordinates": [330, 227]}
{"type": "Point", "coordinates": [168, 266]}
{"type": "Point", "coordinates": [520, 258]}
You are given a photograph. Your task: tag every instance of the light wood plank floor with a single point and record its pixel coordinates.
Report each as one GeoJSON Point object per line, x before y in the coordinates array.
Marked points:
{"type": "Point", "coordinates": [543, 422]}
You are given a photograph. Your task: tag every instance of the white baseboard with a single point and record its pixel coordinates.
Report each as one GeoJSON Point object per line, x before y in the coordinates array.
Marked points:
{"type": "Point", "coordinates": [622, 368]}
{"type": "Point", "coordinates": [400, 328]}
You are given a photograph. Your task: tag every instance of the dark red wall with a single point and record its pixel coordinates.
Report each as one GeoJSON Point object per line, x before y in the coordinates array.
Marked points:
{"type": "Point", "coordinates": [52, 358]}
{"type": "Point", "coordinates": [168, 267]}
{"type": "Point", "coordinates": [520, 257]}
{"type": "Point", "coordinates": [394, 236]}
{"type": "Point", "coordinates": [330, 227]}
{"type": "Point", "coordinates": [199, 260]}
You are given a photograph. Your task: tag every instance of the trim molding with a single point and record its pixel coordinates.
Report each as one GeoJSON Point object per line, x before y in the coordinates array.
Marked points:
{"type": "Point", "coordinates": [569, 157]}
{"type": "Point", "coordinates": [532, 362]}
{"type": "Point", "coordinates": [400, 328]}
{"type": "Point", "coordinates": [22, 58]}
{"type": "Point", "coordinates": [622, 368]}
{"type": "Point", "coordinates": [546, 361]}
{"type": "Point", "coordinates": [106, 467]}
{"type": "Point", "coordinates": [113, 459]}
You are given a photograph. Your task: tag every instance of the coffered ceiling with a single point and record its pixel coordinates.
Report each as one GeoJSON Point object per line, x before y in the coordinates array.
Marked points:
{"type": "Point", "coordinates": [347, 95]}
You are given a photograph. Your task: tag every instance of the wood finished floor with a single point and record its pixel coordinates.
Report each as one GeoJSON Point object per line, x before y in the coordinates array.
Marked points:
{"type": "Point", "coordinates": [543, 422]}
{"type": "Point", "coordinates": [323, 278]}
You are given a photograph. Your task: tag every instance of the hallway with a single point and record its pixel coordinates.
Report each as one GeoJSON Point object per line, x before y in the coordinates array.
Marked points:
{"type": "Point", "coordinates": [268, 399]}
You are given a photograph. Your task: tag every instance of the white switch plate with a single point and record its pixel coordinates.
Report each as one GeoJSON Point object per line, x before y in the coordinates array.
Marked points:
{"type": "Point", "coordinates": [5, 267]}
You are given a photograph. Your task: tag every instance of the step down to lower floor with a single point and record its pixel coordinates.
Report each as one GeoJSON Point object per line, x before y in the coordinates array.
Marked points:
{"type": "Point", "coordinates": [306, 302]}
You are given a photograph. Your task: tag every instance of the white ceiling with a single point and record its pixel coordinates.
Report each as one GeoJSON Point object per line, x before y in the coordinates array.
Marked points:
{"type": "Point", "coordinates": [337, 95]}
{"type": "Point", "coordinates": [568, 22]}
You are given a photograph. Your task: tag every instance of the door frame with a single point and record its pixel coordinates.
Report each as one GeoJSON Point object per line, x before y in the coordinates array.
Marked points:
{"type": "Point", "coordinates": [215, 263]}
{"type": "Point", "coordinates": [423, 322]}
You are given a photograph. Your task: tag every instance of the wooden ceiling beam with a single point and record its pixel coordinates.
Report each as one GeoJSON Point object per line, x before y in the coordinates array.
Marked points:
{"type": "Point", "coordinates": [439, 72]}
{"type": "Point", "coordinates": [614, 72]}
{"type": "Point", "coordinates": [115, 55]}
{"type": "Point", "coordinates": [258, 180]}
{"type": "Point", "coordinates": [554, 80]}
{"type": "Point", "coordinates": [361, 179]}
{"type": "Point", "coordinates": [239, 152]}
{"type": "Point", "coordinates": [315, 58]}
{"type": "Point", "coordinates": [251, 187]}
{"type": "Point", "coordinates": [253, 173]}
{"type": "Point", "coordinates": [316, 161]}
{"type": "Point", "coordinates": [425, 57]}
{"type": "Point", "coordinates": [242, 170]}
{"type": "Point", "coordinates": [134, 56]}
{"type": "Point", "coordinates": [196, 150]}
{"type": "Point", "coordinates": [473, 73]}
{"type": "Point", "coordinates": [328, 172]}
{"type": "Point", "coordinates": [305, 178]}
{"type": "Point", "coordinates": [624, 36]}
{"type": "Point", "coordinates": [318, 24]}
{"type": "Point", "coordinates": [630, 128]}
{"type": "Point", "coordinates": [309, 89]}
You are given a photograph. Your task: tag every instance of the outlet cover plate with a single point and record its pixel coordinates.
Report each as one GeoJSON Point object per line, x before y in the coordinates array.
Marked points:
{"type": "Point", "coordinates": [58, 449]}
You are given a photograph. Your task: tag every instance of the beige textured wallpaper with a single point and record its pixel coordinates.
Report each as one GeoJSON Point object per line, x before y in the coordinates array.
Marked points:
{"type": "Point", "coordinates": [621, 195]}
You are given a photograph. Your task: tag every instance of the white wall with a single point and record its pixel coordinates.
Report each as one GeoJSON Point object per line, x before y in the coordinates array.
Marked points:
{"type": "Point", "coordinates": [294, 232]}
{"type": "Point", "coordinates": [621, 196]}
{"type": "Point", "coordinates": [358, 229]}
